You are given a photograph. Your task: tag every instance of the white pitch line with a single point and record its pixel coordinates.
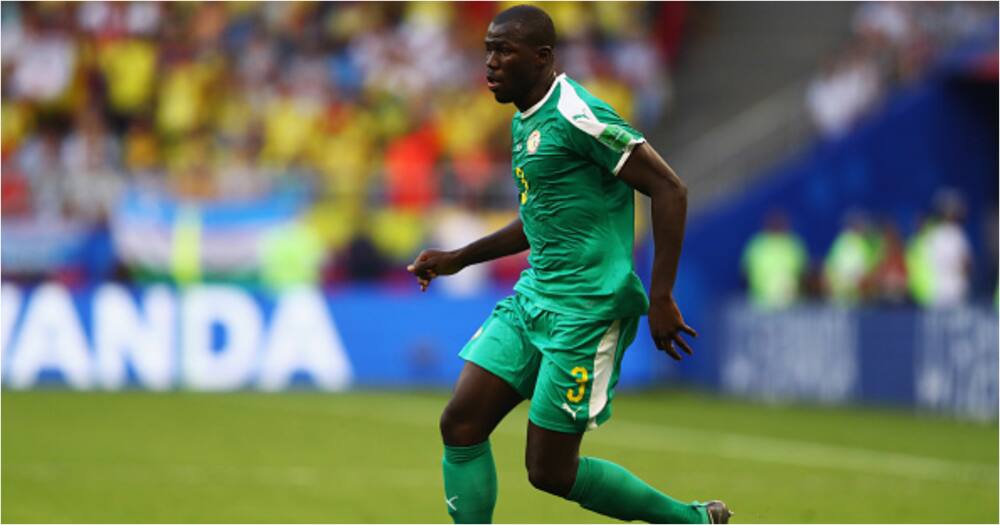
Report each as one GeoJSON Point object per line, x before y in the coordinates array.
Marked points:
{"type": "Point", "coordinates": [730, 445]}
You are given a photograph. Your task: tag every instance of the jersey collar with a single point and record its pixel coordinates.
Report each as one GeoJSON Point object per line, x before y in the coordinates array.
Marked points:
{"type": "Point", "coordinates": [530, 111]}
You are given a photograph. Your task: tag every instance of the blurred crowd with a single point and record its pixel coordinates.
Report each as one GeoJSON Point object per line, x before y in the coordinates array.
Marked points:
{"type": "Point", "coordinates": [378, 110]}
{"type": "Point", "coordinates": [867, 262]}
{"type": "Point", "coordinates": [377, 113]}
{"type": "Point", "coordinates": [891, 44]}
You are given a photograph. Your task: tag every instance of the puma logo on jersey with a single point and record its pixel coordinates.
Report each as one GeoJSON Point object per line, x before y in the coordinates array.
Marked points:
{"type": "Point", "coordinates": [572, 413]}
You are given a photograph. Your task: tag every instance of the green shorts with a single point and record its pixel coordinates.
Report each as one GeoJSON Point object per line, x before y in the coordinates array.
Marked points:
{"type": "Point", "coordinates": [567, 365]}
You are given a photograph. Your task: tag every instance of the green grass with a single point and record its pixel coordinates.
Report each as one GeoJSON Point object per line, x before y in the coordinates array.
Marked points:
{"type": "Point", "coordinates": [374, 457]}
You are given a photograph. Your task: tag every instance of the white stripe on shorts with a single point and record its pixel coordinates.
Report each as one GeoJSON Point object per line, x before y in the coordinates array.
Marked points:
{"type": "Point", "coordinates": [604, 367]}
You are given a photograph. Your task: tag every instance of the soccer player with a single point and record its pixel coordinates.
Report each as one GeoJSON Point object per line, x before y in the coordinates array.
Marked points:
{"type": "Point", "coordinates": [560, 338]}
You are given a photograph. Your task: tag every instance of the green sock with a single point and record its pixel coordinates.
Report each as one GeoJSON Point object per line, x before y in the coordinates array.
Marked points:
{"type": "Point", "coordinates": [608, 489]}
{"type": "Point", "coordinates": [470, 483]}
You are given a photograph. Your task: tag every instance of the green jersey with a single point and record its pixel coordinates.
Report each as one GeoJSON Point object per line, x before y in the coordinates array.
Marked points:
{"type": "Point", "coordinates": [578, 216]}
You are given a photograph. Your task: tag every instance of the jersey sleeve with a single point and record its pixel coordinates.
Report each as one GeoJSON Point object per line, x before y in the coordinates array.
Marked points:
{"type": "Point", "coordinates": [598, 133]}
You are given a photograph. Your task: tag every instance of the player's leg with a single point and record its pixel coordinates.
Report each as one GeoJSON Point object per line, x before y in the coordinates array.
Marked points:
{"type": "Point", "coordinates": [480, 402]}
{"type": "Point", "coordinates": [497, 362]}
{"type": "Point", "coordinates": [573, 393]}
{"type": "Point", "coordinates": [599, 485]}
{"type": "Point", "coordinates": [554, 466]}
{"type": "Point", "coordinates": [552, 459]}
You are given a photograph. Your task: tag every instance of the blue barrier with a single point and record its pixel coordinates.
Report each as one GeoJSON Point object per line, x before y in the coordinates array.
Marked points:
{"type": "Point", "coordinates": [224, 338]}
{"type": "Point", "coordinates": [227, 338]}
{"type": "Point", "coordinates": [942, 360]}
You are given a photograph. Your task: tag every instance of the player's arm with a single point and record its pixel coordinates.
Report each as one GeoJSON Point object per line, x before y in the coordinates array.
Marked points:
{"type": "Point", "coordinates": [431, 263]}
{"type": "Point", "coordinates": [647, 172]}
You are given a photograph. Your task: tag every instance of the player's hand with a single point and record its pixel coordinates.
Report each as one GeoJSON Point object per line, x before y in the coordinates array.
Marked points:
{"type": "Point", "coordinates": [432, 263]}
{"type": "Point", "coordinates": [666, 325]}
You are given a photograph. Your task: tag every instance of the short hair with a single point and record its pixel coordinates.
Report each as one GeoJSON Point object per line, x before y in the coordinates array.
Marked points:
{"type": "Point", "coordinates": [535, 26]}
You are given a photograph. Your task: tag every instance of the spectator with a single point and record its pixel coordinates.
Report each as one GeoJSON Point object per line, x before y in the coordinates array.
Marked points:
{"type": "Point", "coordinates": [918, 269]}
{"type": "Point", "coordinates": [888, 280]}
{"type": "Point", "coordinates": [948, 253]}
{"type": "Point", "coordinates": [459, 227]}
{"type": "Point", "coordinates": [128, 67]}
{"type": "Point", "coordinates": [843, 92]}
{"type": "Point", "coordinates": [44, 62]}
{"type": "Point", "coordinates": [291, 256]}
{"type": "Point", "coordinates": [362, 261]}
{"type": "Point", "coordinates": [39, 161]}
{"type": "Point", "coordinates": [411, 177]}
{"type": "Point", "coordinates": [774, 262]}
{"type": "Point", "coordinates": [849, 261]}
{"type": "Point", "coordinates": [90, 156]}
{"type": "Point", "coordinates": [892, 43]}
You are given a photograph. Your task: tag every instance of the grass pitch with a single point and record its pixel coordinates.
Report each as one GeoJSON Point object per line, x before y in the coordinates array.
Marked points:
{"type": "Point", "coordinates": [375, 457]}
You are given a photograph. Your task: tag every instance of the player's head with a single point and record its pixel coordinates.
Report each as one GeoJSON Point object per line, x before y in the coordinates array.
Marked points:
{"type": "Point", "coordinates": [519, 52]}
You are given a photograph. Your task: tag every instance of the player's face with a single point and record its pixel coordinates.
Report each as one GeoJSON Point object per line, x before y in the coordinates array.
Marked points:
{"type": "Point", "coordinates": [511, 65]}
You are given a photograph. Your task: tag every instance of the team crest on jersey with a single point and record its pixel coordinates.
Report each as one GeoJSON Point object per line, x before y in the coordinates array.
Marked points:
{"type": "Point", "coordinates": [533, 141]}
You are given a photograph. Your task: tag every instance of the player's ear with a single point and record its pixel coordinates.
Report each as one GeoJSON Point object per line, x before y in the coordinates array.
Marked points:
{"type": "Point", "coordinates": [544, 55]}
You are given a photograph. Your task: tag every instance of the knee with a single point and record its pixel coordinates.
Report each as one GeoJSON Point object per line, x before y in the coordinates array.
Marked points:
{"type": "Point", "coordinates": [458, 431]}
{"type": "Point", "coordinates": [556, 481]}
{"type": "Point", "coordinates": [448, 424]}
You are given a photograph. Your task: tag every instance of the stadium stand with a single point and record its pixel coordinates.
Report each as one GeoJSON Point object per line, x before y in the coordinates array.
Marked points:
{"type": "Point", "coordinates": [168, 142]}
{"type": "Point", "coordinates": [161, 130]}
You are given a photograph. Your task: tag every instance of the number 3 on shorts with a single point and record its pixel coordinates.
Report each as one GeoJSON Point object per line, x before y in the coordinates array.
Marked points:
{"type": "Point", "coordinates": [580, 374]}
